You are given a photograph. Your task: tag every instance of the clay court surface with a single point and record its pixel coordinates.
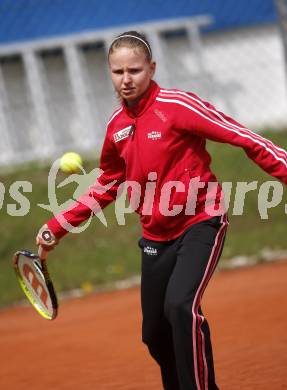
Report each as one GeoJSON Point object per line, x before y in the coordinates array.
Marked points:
{"type": "Point", "coordinates": [95, 342]}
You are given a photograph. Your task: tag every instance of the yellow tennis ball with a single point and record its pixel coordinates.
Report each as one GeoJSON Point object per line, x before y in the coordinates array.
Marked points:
{"type": "Point", "coordinates": [71, 163]}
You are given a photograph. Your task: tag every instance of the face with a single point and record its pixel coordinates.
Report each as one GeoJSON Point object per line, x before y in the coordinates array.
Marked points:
{"type": "Point", "coordinates": [131, 73]}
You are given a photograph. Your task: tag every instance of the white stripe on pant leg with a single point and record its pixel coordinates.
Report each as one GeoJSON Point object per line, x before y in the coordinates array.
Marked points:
{"type": "Point", "coordinates": [211, 266]}
{"type": "Point", "coordinates": [195, 310]}
{"type": "Point", "coordinates": [203, 339]}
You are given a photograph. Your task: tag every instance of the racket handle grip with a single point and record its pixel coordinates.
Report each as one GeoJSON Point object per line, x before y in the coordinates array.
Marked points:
{"type": "Point", "coordinates": [42, 253]}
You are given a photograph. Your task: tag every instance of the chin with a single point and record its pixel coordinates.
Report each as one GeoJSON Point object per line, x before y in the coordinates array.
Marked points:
{"type": "Point", "coordinates": [130, 96]}
{"type": "Point", "coordinates": [130, 99]}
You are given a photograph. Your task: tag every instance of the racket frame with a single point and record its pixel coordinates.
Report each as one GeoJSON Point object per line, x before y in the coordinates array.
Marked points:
{"type": "Point", "coordinates": [39, 262]}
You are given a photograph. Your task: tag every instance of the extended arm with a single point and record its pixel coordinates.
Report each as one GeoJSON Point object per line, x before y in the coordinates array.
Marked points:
{"type": "Point", "coordinates": [96, 198]}
{"type": "Point", "coordinates": [203, 120]}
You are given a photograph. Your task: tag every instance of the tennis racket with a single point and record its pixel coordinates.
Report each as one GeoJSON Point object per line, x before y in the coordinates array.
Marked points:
{"type": "Point", "coordinates": [33, 277]}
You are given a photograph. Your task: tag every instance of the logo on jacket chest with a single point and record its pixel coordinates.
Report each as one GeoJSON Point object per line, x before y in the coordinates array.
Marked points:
{"type": "Point", "coordinates": [154, 135]}
{"type": "Point", "coordinates": [123, 133]}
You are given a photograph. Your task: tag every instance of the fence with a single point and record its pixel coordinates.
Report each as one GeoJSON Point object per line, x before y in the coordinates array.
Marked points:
{"type": "Point", "coordinates": [55, 94]}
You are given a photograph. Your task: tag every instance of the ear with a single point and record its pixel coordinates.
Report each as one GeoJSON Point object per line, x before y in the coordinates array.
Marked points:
{"type": "Point", "coordinates": [152, 68]}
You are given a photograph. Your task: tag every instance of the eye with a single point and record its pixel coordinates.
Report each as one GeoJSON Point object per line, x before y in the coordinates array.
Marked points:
{"type": "Point", "coordinates": [117, 71]}
{"type": "Point", "coordinates": [135, 70]}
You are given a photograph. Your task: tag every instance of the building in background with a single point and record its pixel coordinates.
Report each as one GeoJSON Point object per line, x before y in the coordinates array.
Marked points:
{"type": "Point", "coordinates": [55, 92]}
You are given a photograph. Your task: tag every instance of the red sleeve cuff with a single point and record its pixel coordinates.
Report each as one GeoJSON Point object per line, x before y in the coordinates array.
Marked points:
{"type": "Point", "coordinates": [56, 228]}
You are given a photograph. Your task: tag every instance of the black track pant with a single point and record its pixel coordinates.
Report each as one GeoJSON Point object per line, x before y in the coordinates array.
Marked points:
{"type": "Point", "coordinates": [174, 277]}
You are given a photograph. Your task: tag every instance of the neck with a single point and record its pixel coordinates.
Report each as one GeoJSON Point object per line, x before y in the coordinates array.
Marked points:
{"type": "Point", "coordinates": [131, 103]}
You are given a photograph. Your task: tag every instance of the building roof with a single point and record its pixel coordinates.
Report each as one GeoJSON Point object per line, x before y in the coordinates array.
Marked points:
{"type": "Point", "coordinates": [25, 20]}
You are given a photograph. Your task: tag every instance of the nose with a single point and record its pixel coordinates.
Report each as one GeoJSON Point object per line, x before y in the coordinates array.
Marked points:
{"type": "Point", "coordinates": [126, 78]}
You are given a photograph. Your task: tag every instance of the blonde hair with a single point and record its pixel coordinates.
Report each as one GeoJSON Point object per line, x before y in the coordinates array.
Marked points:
{"type": "Point", "coordinates": [132, 39]}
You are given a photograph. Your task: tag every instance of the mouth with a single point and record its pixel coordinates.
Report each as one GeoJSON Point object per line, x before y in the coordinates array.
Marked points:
{"type": "Point", "coordinates": [127, 90]}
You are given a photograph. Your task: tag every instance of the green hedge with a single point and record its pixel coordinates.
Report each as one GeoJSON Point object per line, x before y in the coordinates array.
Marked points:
{"type": "Point", "coordinates": [100, 255]}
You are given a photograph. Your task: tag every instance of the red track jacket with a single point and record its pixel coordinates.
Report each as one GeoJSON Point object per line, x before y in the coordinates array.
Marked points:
{"type": "Point", "coordinates": [162, 141]}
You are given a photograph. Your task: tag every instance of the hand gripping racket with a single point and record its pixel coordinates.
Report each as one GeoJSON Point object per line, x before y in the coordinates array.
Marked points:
{"type": "Point", "coordinates": [33, 277]}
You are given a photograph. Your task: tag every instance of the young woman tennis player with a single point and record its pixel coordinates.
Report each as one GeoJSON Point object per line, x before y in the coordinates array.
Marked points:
{"type": "Point", "coordinates": [157, 139]}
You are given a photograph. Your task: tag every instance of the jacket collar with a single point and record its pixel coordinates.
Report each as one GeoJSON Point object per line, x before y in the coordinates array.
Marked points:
{"type": "Point", "coordinates": [144, 103]}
